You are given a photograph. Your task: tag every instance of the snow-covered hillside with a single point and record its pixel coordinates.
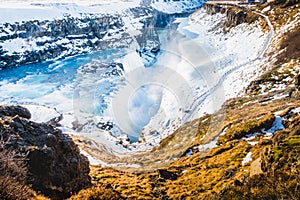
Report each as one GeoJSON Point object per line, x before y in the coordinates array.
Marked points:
{"type": "Point", "coordinates": [176, 6]}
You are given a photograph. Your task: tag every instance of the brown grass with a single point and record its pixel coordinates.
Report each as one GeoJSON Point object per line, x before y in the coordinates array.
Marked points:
{"type": "Point", "coordinates": [291, 46]}
{"type": "Point", "coordinates": [97, 192]}
{"type": "Point", "coordinates": [12, 174]}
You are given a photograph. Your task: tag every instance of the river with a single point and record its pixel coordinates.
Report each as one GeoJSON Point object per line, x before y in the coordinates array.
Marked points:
{"type": "Point", "coordinates": [137, 100]}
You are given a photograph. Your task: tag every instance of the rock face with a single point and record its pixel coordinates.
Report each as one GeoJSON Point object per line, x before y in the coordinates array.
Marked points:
{"type": "Point", "coordinates": [44, 40]}
{"type": "Point", "coordinates": [36, 41]}
{"type": "Point", "coordinates": [56, 167]}
{"type": "Point", "coordinates": [234, 15]}
{"type": "Point", "coordinates": [54, 39]}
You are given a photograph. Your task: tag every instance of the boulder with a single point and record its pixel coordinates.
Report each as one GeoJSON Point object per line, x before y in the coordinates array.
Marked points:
{"type": "Point", "coordinates": [167, 175]}
{"type": "Point", "coordinates": [14, 110]}
{"type": "Point", "coordinates": [55, 166]}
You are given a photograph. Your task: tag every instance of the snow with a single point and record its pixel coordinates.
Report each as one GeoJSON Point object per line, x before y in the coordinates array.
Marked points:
{"type": "Point", "coordinates": [250, 136]}
{"type": "Point", "coordinates": [253, 143]}
{"type": "Point", "coordinates": [247, 158]}
{"type": "Point", "coordinates": [193, 75]}
{"type": "Point", "coordinates": [266, 9]}
{"type": "Point", "coordinates": [234, 55]}
{"type": "Point", "coordinates": [92, 160]}
{"type": "Point", "coordinates": [14, 45]}
{"type": "Point", "coordinates": [277, 125]}
{"type": "Point", "coordinates": [17, 11]}
{"type": "Point", "coordinates": [210, 145]}
{"type": "Point", "coordinates": [41, 113]}
{"type": "Point", "coordinates": [176, 6]}
{"type": "Point", "coordinates": [296, 110]}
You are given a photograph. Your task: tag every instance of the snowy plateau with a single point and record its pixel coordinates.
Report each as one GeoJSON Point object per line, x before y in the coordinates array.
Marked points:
{"type": "Point", "coordinates": [123, 75]}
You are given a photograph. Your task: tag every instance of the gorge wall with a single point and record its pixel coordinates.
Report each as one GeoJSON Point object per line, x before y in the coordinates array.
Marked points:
{"type": "Point", "coordinates": [24, 42]}
{"type": "Point", "coordinates": [35, 41]}
{"type": "Point", "coordinates": [235, 15]}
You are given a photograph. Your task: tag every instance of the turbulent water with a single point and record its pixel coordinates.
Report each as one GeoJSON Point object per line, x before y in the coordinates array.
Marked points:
{"type": "Point", "coordinates": [113, 91]}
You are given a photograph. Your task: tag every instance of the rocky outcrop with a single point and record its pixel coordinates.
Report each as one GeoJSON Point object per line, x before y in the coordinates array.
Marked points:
{"type": "Point", "coordinates": [235, 15]}
{"type": "Point", "coordinates": [55, 166]}
{"type": "Point", "coordinates": [212, 8]}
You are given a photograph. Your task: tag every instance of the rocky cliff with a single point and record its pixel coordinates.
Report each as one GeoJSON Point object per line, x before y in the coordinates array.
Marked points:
{"type": "Point", "coordinates": [235, 15]}
{"type": "Point", "coordinates": [53, 162]}
{"type": "Point", "coordinates": [35, 41]}
{"type": "Point", "coordinates": [31, 41]}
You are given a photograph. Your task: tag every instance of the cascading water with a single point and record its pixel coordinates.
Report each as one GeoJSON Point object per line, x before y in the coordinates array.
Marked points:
{"type": "Point", "coordinates": [111, 90]}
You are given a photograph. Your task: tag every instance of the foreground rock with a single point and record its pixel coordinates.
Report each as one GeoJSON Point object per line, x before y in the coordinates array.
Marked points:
{"type": "Point", "coordinates": [55, 166]}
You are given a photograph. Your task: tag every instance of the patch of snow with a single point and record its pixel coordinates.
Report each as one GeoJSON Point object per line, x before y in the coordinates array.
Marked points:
{"type": "Point", "coordinates": [210, 145]}
{"type": "Point", "coordinates": [250, 136]}
{"type": "Point", "coordinates": [277, 125]}
{"type": "Point", "coordinates": [171, 7]}
{"type": "Point", "coordinates": [43, 39]}
{"type": "Point", "coordinates": [189, 153]}
{"type": "Point", "coordinates": [247, 158]}
{"type": "Point", "coordinates": [224, 131]}
{"type": "Point", "coordinates": [295, 110]}
{"type": "Point", "coordinates": [252, 143]}
{"type": "Point", "coordinates": [266, 9]}
{"type": "Point", "coordinates": [14, 45]}
{"type": "Point", "coordinates": [41, 113]}
{"type": "Point", "coordinates": [93, 161]}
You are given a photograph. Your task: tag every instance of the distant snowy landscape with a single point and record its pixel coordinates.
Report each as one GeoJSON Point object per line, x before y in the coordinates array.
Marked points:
{"type": "Point", "coordinates": [110, 95]}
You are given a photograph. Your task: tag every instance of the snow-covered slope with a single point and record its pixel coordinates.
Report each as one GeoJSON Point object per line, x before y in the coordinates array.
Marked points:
{"type": "Point", "coordinates": [176, 6]}
{"type": "Point", "coordinates": [17, 10]}
{"type": "Point", "coordinates": [232, 62]}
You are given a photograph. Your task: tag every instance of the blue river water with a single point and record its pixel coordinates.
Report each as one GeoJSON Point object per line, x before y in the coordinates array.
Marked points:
{"type": "Point", "coordinates": [129, 98]}
{"type": "Point", "coordinates": [27, 84]}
